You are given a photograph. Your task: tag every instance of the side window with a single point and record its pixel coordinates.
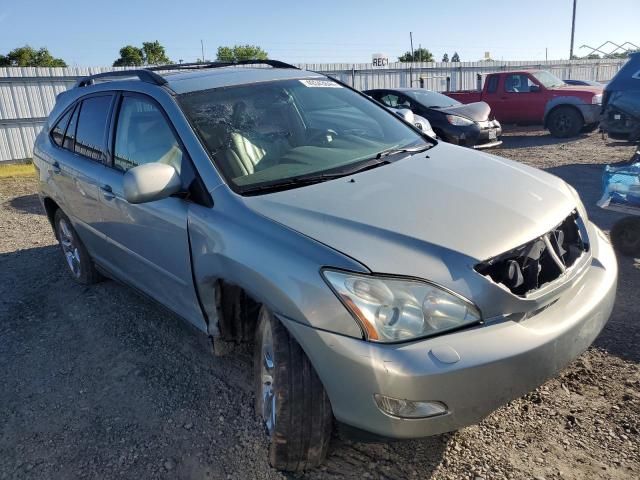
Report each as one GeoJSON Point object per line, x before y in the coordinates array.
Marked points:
{"type": "Point", "coordinates": [144, 136]}
{"type": "Point", "coordinates": [57, 132]}
{"type": "Point", "coordinates": [390, 100]}
{"type": "Point", "coordinates": [403, 102]}
{"type": "Point", "coordinates": [492, 84]}
{"type": "Point", "coordinates": [70, 136]}
{"type": "Point", "coordinates": [518, 83]}
{"type": "Point", "coordinates": [92, 126]}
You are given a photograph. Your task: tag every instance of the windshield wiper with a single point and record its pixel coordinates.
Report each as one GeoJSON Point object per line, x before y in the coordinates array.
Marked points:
{"type": "Point", "coordinates": [303, 180]}
{"type": "Point", "coordinates": [395, 151]}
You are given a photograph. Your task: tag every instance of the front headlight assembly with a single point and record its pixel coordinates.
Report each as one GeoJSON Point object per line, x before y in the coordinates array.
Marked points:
{"type": "Point", "coordinates": [459, 121]}
{"type": "Point", "coordinates": [393, 309]}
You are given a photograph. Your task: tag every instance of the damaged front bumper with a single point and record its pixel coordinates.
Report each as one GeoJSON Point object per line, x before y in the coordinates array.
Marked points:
{"type": "Point", "coordinates": [620, 117]}
{"type": "Point", "coordinates": [471, 372]}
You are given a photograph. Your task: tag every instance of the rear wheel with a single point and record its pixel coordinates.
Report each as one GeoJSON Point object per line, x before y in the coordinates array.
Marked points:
{"type": "Point", "coordinates": [625, 236]}
{"type": "Point", "coordinates": [76, 256]}
{"type": "Point", "coordinates": [564, 122]}
{"type": "Point", "coordinates": [290, 398]}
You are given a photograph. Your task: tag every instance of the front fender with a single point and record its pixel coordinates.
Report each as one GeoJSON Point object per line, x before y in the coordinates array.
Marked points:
{"type": "Point", "coordinates": [276, 266]}
{"type": "Point", "coordinates": [584, 108]}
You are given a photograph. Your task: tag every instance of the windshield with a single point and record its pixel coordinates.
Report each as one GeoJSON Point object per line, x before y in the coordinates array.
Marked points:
{"type": "Point", "coordinates": [549, 80]}
{"type": "Point", "coordinates": [274, 132]}
{"type": "Point", "coordinates": [432, 99]}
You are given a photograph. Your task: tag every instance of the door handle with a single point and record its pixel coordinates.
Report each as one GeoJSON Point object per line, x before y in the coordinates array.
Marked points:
{"type": "Point", "coordinates": [107, 192]}
{"type": "Point", "coordinates": [56, 168]}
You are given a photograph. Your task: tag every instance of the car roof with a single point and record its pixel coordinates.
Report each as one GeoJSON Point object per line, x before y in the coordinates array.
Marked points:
{"type": "Point", "coordinates": [207, 78]}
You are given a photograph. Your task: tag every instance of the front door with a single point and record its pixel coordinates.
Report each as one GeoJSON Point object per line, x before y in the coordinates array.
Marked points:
{"type": "Point", "coordinates": [149, 242]}
{"type": "Point", "coordinates": [518, 102]}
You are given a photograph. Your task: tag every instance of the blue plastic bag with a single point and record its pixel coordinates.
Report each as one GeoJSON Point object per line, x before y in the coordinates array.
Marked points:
{"type": "Point", "coordinates": [621, 186]}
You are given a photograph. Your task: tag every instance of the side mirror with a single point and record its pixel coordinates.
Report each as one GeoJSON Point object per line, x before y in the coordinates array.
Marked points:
{"type": "Point", "coordinates": [151, 181]}
{"type": "Point", "coordinates": [534, 89]}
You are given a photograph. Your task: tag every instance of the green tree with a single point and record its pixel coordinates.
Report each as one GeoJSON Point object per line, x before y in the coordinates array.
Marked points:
{"type": "Point", "coordinates": [30, 57]}
{"type": "Point", "coordinates": [419, 55]}
{"type": "Point", "coordinates": [445, 57]}
{"type": "Point", "coordinates": [154, 53]}
{"type": "Point", "coordinates": [151, 53]}
{"type": "Point", "coordinates": [241, 52]}
{"type": "Point", "coordinates": [455, 58]}
{"type": "Point", "coordinates": [130, 56]}
{"type": "Point", "coordinates": [592, 56]}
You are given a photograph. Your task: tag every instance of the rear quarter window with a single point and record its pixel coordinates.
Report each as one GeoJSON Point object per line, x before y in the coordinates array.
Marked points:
{"type": "Point", "coordinates": [57, 132]}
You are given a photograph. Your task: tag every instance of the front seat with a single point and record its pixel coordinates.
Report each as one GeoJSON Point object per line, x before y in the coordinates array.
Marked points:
{"type": "Point", "coordinates": [243, 155]}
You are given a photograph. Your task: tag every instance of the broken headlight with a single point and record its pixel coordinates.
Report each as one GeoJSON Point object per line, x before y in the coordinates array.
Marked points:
{"type": "Point", "coordinates": [394, 309]}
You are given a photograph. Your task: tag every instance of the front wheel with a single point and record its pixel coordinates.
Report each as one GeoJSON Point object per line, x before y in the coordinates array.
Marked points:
{"type": "Point", "coordinates": [290, 398]}
{"type": "Point", "coordinates": [564, 122]}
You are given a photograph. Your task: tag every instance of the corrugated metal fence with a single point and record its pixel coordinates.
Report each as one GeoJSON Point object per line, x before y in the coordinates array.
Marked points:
{"type": "Point", "coordinates": [27, 95]}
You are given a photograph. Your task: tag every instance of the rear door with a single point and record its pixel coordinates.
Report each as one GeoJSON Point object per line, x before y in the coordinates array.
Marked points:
{"type": "Point", "coordinates": [80, 165]}
{"type": "Point", "coordinates": [517, 102]}
{"type": "Point", "coordinates": [149, 242]}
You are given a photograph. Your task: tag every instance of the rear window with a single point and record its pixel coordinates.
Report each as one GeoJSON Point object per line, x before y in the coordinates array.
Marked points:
{"type": "Point", "coordinates": [92, 127]}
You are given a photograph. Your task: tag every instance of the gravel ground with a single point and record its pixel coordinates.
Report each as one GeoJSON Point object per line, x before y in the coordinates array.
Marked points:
{"type": "Point", "coordinates": [100, 383]}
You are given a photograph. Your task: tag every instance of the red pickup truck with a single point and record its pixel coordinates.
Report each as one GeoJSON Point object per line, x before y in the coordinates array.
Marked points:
{"type": "Point", "coordinates": [538, 97]}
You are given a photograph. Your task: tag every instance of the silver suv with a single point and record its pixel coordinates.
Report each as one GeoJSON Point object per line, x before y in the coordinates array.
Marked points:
{"type": "Point", "coordinates": [399, 285]}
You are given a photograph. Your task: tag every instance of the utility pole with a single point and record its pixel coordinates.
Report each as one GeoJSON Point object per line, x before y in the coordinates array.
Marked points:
{"type": "Point", "coordinates": [546, 53]}
{"type": "Point", "coordinates": [202, 46]}
{"type": "Point", "coordinates": [573, 28]}
{"type": "Point", "coordinates": [411, 64]}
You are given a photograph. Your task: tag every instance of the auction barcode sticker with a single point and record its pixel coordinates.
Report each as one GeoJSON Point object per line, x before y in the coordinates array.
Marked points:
{"type": "Point", "coordinates": [320, 84]}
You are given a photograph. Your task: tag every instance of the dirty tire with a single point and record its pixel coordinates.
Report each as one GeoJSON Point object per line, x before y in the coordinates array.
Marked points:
{"type": "Point", "coordinates": [85, 271]}
{"type": "Point", "coordinates": [303, 418]}
{"type": "Point", "coordinates": [565, 122]}
{"type": "Point", "coordinates": [625, 236]}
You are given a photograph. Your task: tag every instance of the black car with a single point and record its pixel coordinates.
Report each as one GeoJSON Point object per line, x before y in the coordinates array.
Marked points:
{"type": "Point", "coordinates": [620, 116]}
{"type": "Point", "coordinates": [470, 125]}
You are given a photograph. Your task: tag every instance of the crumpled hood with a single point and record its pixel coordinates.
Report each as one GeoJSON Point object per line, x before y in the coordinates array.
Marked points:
{"type": "Point", "coordinates": [476, 111]}
{"type": "Point", "coordinates": [451, 204]}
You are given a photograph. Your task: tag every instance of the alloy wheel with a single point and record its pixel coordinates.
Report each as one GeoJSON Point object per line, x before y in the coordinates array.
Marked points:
{"type": "Point", "coordinates": [267, 371]}
{"type": "Point", "coordinates": [69, 247]}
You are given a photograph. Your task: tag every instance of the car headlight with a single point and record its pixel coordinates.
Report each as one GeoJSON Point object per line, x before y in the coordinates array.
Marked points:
{"type": "Point", "coordinates": [394, 309]}
{"type": "Point", "coordinates": [459, 121]}
{"type": "Point", "coordinates": [597, 99]}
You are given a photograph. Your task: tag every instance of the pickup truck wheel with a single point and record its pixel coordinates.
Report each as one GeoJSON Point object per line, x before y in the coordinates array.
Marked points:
{"type": "Point", "coordinates": [625, 236]}
{"type": "Point", "coordinates": [77, 258]}
{"type": "Point", "coordinates": [290, 398]}
{"type": "Point", "coordinates": [564, 122]}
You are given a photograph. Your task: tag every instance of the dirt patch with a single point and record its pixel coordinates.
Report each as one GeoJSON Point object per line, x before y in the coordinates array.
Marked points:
{"type": "Point", "coordinates": [101, 383]}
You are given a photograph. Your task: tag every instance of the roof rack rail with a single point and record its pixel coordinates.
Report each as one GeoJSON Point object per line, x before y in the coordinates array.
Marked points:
{"type": "Point", "coordinates": [148, 74]}
{"type": "Point", "coordinates": [199, 65]}
{"type": "Point", "coordinates": [144, 75]}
